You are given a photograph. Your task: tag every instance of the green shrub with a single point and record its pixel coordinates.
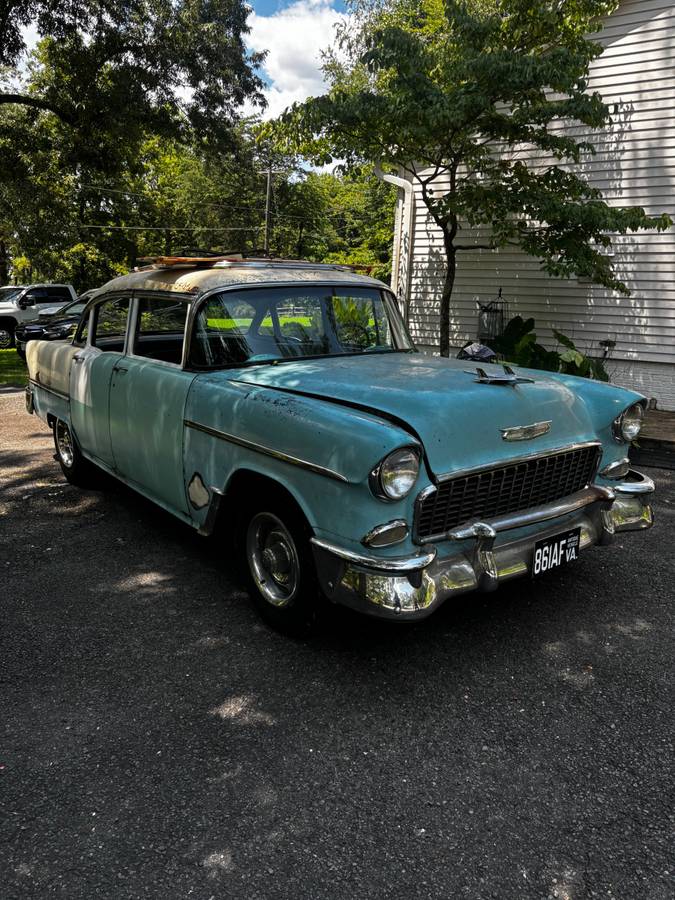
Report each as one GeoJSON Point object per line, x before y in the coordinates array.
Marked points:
{"type": "Point", "coordinates": [518, 345]}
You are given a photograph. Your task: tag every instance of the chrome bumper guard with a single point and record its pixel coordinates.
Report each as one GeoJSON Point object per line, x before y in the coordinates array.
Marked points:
{"type": "Point", "coordinates": [30, 402]}
{"type": "Point", "coordinates": [411, 587]}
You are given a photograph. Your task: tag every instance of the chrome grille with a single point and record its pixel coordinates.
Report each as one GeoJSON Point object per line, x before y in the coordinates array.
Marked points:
{"type": "Point", "coordinates": [488, 493]}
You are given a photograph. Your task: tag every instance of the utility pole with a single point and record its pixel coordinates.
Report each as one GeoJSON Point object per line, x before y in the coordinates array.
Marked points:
{"type": "Point", "coordinates": [267, 209]}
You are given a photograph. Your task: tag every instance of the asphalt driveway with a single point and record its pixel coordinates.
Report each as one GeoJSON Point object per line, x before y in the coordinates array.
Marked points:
{"type": "Point", "coordinates": [157, 741]}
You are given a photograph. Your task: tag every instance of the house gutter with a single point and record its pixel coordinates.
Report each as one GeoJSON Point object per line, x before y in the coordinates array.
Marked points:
{"type": "Point", "coordinates": [402, 241]}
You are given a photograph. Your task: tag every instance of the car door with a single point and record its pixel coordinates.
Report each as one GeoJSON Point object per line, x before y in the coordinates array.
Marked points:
{"type": "Point", "coordinates": [101, 338]}
{"type": "Point", "coordinates": [32, 302]}
{"type": "Point", "coordinates": [148, 392]}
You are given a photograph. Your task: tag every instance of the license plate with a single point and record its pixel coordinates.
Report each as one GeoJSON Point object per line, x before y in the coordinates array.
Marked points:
{"type": "Point", "coordinates": [553, 552]}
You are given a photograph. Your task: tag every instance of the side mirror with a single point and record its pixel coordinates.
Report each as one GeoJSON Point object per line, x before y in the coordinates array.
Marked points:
{"type": "Point", "coordinates": [27, 300]}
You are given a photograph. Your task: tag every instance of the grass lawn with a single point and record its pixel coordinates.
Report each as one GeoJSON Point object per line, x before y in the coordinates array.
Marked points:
{"type": "Point", "coordinates": [12, 368]}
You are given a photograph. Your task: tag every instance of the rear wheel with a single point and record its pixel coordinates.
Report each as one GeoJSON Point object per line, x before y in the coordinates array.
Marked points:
{"type": "Point", "coordinates": [280, 568]}
{"type": "Point", "coordinates": [76, 469]}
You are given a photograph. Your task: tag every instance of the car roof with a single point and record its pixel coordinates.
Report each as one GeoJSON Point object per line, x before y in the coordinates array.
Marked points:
{"type": "Point", "coordinates": [191, 279]}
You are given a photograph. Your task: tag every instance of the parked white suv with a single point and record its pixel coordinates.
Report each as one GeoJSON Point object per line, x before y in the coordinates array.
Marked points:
{"type": "Point", "coordinates": [24, 302]}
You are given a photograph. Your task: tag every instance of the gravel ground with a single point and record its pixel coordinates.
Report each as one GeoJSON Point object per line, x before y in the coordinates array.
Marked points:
{"type": "Point", "coordinates": [157, 741]}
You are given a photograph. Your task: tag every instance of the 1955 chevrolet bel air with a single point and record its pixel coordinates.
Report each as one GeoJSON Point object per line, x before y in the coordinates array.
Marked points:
{"type": "Point", "coordinates": [287, 402]}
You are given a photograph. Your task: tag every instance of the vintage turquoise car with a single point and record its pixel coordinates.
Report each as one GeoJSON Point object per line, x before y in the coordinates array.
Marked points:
{"type": "Point", "coordinates": [286, 403]}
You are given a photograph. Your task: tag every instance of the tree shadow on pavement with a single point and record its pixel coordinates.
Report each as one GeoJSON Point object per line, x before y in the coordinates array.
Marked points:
{"type": "Point", "coordinates": [158, 739]}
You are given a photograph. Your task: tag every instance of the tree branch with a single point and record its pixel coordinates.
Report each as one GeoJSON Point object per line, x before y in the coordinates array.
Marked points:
{"type": "Point", "coordinates": [37, 103]}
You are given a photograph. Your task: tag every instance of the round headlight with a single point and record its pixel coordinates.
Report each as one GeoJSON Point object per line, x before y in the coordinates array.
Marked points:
{"type": "Point", "coordinates": [627, 426]}
{"type": "Point", "coordinates": [397, 474]}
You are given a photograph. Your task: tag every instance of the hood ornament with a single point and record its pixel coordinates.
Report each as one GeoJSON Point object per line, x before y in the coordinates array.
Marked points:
{"type": "Point", "coordinates": [509, 376]}
{"type": "Point", "coordinates": [525, 432]}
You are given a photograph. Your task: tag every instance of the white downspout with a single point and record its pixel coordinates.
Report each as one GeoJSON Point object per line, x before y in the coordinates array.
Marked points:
{"type": "Point", "coordinates": [403, 241]}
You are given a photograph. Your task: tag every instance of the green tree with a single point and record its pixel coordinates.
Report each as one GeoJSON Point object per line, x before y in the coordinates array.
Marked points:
{"type": "Point", "coordinates": [452, 92]}
{"type": "Point", "coordinates": [111, 71]}
{"type": "Point", "coordinates": [340, 218]}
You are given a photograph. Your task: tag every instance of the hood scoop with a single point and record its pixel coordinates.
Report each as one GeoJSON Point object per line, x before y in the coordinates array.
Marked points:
{"type": "Point", "coordinates": [509, 376]}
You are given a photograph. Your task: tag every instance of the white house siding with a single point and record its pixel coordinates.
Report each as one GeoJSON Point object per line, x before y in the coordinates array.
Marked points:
{"type": "Point", "coordinates": [634, 165]}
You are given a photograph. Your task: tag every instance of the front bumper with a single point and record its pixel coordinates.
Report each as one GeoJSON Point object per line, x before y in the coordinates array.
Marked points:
{"type": "Point", "coordinates": [483, 555]}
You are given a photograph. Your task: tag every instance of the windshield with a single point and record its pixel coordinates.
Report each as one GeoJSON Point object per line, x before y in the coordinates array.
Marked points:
{"type": "Point", "coordinates": [9, 293]}
{"type": "Point", "coordinates": [72, 309]}
{"type": "Point", "coordinates": [269, 324]}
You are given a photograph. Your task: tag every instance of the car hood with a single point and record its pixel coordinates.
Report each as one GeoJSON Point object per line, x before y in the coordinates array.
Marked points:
{"type": "Point", "coordinates": [440, 401]}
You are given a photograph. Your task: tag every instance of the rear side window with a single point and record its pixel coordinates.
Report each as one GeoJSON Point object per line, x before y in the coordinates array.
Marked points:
{"type": "Point", "coordinates": [110, 324]}
{"type": "Point", "coordinates": [160, 329]}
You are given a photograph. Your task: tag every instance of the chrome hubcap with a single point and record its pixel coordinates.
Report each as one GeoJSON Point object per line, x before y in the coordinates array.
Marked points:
{"type": "Point", "coordinates": [64, 444]}
{"type": "Point", "coordinates": [272, 558]}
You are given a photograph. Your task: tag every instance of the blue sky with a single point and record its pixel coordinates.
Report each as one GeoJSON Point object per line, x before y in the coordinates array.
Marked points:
{"type": "Point", "coordinates": [293, 33]}
{"type": "Point", "coordinates": [269, 7]}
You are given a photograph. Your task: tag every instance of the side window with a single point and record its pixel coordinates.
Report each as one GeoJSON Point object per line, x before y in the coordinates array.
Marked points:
{"type": "Point", "coordinates": [35, 295]}
{"type": "Point", "coordinates": [58, 294]}
{"type": "Point", "coordinates": [160, 329]}
{"type": "Point", "coordinates": [110, 324]}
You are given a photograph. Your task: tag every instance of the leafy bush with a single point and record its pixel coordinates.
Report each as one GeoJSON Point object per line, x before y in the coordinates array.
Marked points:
{"type": "Point", "coordinates": [518, 345]}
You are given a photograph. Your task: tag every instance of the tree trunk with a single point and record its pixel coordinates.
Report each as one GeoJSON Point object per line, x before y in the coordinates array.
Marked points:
{"type": "Point", "coordinates": [4, 263]}
{"type": "Point", "coordinates": [448, 284]}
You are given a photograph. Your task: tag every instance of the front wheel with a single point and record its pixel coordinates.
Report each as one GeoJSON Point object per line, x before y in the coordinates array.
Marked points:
{"type": "Point", "coordinates": [76, 469]}
{"type": "Point", "coordinates": [6, 335]}
{"type": "Point", "coordinates": [282, 578]}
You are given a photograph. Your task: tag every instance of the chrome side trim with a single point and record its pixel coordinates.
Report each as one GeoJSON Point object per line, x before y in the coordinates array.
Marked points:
{"type": "Point", "coordinates": [50, 390]}
{"type": "Point", "coordinates": [574, 502]}
{"type": "Point", "coordinates": [400, 565]}
{"type": "Point", "coordinates": [267, 451]}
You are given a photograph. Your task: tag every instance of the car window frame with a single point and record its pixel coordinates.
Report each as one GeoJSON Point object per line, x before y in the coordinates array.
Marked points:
{"type": "Point", "coordinates": [169, 296]}
{"type": "Point", "coordinates": [90, 316]}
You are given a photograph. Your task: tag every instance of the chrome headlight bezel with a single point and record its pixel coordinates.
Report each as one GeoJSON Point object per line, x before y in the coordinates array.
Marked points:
{"type": "Point", "coordinates": [626, 427]}
{"type": "Point", "coordinates": [392, 466]}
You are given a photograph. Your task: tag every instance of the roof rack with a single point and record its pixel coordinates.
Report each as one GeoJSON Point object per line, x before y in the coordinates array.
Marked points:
{"type": "Point", "coordinates": [239, 259]}
{"type": "Point", "coordinates": [169, 262]}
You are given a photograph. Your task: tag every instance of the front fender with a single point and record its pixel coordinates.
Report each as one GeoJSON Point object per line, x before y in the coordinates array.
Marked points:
{"type": "Point", "coordinates": [322, 453]}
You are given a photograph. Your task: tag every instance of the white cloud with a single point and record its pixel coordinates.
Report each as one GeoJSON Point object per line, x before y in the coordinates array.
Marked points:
{"type": "Point", "coordinates": [294, 38]}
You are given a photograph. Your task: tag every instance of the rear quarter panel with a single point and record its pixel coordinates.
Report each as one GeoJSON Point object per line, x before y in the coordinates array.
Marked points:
{"type": "Point", "coordinates": [49, 365]}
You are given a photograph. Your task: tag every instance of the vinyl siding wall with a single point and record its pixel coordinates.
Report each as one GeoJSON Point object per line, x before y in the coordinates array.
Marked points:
{"type": "Point", "coordinates": [634, 165]}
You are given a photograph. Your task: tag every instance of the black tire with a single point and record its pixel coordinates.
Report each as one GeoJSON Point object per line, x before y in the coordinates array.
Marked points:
{"type": "Point", "coordinates": [279, 566]}
{"type": "Point", "coordinates": [76, 469]}
{"type": "Point", "coordinates": [6, 335]}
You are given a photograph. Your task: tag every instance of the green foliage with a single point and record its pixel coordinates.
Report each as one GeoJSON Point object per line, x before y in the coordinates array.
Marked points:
{"type": "Point", "coordinates": [85, 228]}
{"type": "Point", "coordinates": [518, 345]}
{"type": "Point", "coordinates": [451, 93]}
{"type": "Point", "coordinates": [111, 72]}
{"type": "Point", "coordinates": [12, 369]}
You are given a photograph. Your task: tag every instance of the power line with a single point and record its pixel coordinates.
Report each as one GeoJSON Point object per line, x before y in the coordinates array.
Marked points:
{"type": "Point", "coordinates": [173, 227]}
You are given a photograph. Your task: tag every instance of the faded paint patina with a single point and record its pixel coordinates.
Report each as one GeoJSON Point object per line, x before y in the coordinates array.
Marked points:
{"type": "Point", "coordinates": [316, 426]}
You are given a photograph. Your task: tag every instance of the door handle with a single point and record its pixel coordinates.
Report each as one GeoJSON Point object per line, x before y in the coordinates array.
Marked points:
{"type": "Point", "coordinates": [78, 359]}
{"type": "Point", "coordinates": [120, 369]}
